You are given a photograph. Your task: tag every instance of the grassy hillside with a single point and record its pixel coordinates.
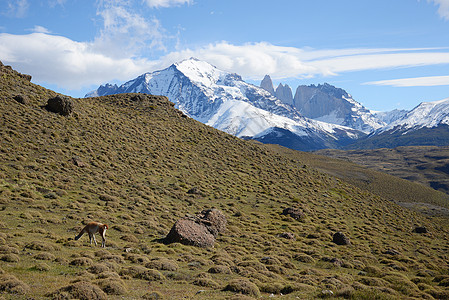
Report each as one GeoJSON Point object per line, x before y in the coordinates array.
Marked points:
{"type": "Point", "coordinates": [365, 173]}
{"type": "Point", "coordinates": [131, 161]}
{"type": "Point", "coordinates": [427, 165]}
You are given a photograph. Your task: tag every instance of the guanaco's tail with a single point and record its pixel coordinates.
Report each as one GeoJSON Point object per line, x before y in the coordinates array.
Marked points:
{"type": "Point", "coordinates": [81, 234]}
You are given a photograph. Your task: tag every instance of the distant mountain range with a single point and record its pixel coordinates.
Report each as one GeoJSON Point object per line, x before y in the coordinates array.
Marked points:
{"type": "Point", "coordinates": [224, 101]}
{"type": "Point", "coordinates": [425, 125]}
{"type": "Point", "coordinates": [329, 104]}
{"type": "Point", "coordinates": [316, 117]}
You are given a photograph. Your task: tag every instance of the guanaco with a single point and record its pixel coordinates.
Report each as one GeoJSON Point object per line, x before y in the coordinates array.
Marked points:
{"type": "Point", "coordinates": [92, 228]}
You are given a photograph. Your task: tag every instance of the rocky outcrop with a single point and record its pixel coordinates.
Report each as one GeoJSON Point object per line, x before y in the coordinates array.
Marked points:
{"type": "Point", "coordinates": [200, 230]}
{"type": "Point", "coordinates": [267, 85]}
{"type": "Point", "coordinates": [284, 93]}
{"type": "Point", "coordinates": [60, 105]}
{"type": "Point", "coordinates": [330, 104]}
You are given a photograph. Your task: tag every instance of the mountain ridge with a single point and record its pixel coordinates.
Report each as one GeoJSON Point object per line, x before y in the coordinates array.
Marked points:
{"type": "Point", "coordinates": [319, 116]}
{"type": "Point", "coordinates": [224, 101]}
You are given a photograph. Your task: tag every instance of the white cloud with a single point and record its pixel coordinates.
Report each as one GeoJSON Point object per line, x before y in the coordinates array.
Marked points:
{"type": "Point", "coordinates": [72, 65]}
{"type": "Point", "coordinates": [15, 8]}
{"type": "Point", "coordinates": [250, 60]}
{"type": "Point", "coordinates": [115, 54]}
{"type": "Point", "coordinates": [257, 59]}
{"type": "Point", "coordinates": [443, 8]}
{"type": "Point", "coordinates": [66, 63]}
{"type": "Point", "coordinates": [40, 29]}
{"type": "Point", "coordinates": [53, 3]}
{"type": "Point", "coordinates": [125, 34]}
{"type": "Point", "coordinates": [166, 3]}
{"type": "Point", "coordinates": [409, 82]}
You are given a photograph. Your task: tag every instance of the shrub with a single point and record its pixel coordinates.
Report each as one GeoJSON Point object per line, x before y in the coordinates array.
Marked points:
{"type": "Point", "coordinates": [219, 270]}
{"type": "Point", "coordinates": [304, 258]}
{"type": "Point", "coordinates": [152, 275]}
{"type": "Point", "coordinates": [10, 284]}
{"type": "Point", "coordinates": [41, 267]}
{"type": "Point", "coordinates": [272, 288]}
{"type": "Point", "coordinates": [206, 282]}
{"type": "Point", "coordinates": [162, 264]}
{"type": "Point", "coordinates": [108, 274]}
{"type": "Point", "coordinates": [10, 257]}
{"type": "Point", "coordinates": [81, 261]}
{"type": "Point", "coordinates": [129, 238]}
{"type": "Point", "coordinates": [112, 286]}
{"type": "Point", "coordinates": [244, 286]}
{"type": "Point", "coordinates": [82, 290]}
{"type": "Point", "coordinates": [142, 273]}
{"type": "Point", "coordinates": [153, 296]}
{"type": "Point", "coordinates": [8, 249]}
{"type": "Point", "coordinates": [40, 246]}
{"type": "Point", "coordinates": [44, 256]}
{"type": "Point", "coordinates": [98, 268]}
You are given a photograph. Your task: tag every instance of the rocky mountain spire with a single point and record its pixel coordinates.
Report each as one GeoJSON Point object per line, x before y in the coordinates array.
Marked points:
{"type": "Point", "coordinates": [284, 93]}
{"type": "Point", "coordinates": [267, 84]}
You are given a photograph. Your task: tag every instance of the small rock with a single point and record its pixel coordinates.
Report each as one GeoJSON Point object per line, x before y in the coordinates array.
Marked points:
{"type": "Point", "coordinates": [21, 99]}
{"type": "Point", "coordinates": [78, 162]}
{"type": "Point", "coordinates": [287, 235]}
{"type": "Point", "coordinates": [193, 191]}
{"type": "Point", "coordinates": [327, 293]}
{"type": "Point", "coordinates": [420, 229]}
{"type": "Point", "coordinates": [340, 239]}
{"type": "Point", "coordinates": [293, 212]}
{"type": "Point", "coordinates": [392, 252]}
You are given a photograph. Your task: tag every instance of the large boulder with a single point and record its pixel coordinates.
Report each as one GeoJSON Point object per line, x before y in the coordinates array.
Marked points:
{"type": "Point", "coordinates": [188, 232]}
{"type": "Point", "coordinates": [200, 230]}
{"type": "Point", "coordinates": [60, 105]}
{"type": "Point", "coordinates": [340, 239]}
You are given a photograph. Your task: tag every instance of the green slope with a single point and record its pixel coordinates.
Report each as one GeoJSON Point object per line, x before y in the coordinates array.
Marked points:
{"type": "Point", "coordinates": [130, 163]}
{"type": "Point", "coordinates": [367, 169]}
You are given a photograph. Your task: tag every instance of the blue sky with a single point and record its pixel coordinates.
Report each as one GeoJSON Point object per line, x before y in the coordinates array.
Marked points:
{"type": "Point", "coordinates": [387, 54]}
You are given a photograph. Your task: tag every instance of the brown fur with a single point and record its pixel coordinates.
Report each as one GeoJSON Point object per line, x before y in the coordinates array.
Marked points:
{"type": "Point", "coordinates": [91, 229]}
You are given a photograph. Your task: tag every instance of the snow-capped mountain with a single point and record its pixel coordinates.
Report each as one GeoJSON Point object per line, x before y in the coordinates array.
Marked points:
{"type": "Point", "coordinates": [389, 117]}
{"type": "Point", "coordinates": [327, 103]}
{"type": "Point", "coordinates": [426, 114]}
{"type": "Point", "coordinates": [224, 101]}
{"type": "Point", "coordinates": [425, 125]}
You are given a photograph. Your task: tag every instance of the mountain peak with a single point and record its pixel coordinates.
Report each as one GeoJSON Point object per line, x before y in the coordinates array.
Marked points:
{"type": "Point", "coordinates": [327, 103]}
{"type": "Point", "coordinates": [284, 93]}
{"type": "Point", "coordinates": [199, 71]}
{"type": "Point", "coordinates": [426, 114]}
{"type": "Point", "coordinates": [267, 84]}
